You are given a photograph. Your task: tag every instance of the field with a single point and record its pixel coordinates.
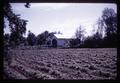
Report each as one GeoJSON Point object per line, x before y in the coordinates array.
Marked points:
{"type": "Point", "coordinates": [79, 64]}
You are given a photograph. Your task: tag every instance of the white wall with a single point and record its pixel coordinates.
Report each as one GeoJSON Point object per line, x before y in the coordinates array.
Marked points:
{"type": "Point", "coordinates": [61, 42]}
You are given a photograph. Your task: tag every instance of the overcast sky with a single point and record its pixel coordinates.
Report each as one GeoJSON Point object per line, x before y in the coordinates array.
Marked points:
{"type": "Point", "coordinates": [63, 17]}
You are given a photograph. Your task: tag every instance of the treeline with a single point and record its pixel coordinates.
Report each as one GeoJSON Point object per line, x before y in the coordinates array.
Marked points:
{"type": "Point", "coordinates": [31, 39]}
{"type": "Point", "coordinates": [106, 24]}
{"type": "Point", "coordinates": [40, 39]}
{"type": "Point", "coordinates": [106, 33]}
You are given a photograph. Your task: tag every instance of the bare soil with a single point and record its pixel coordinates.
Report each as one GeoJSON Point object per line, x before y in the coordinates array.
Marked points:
{"type": "Point", "coordinates": [82, 64]}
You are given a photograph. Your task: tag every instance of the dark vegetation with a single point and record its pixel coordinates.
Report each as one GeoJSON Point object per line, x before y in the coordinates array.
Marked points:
{"type": "Point", "coordinates": [107, 23]}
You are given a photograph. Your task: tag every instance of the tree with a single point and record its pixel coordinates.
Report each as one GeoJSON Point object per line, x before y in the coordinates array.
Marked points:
{"type": "Point", "coordinates": [97, 38]}
{"type": "Point", "coordinates": [40, 39]}
{"type": "Point", "coordinates": [80, 33]}
{"type": "Point", "coordinates": [89, 42]}
{"type": "Point", "coordinates": [100, 28]}
{"type": "Point", "coordinates": [109, 20]}
{"type": "Point", "coordinates": [43, 37]}
{"type": "Point", "coordinates": [75, 42]}
{"type": "Point", "coordinates": [16, 24]}
{"type": "Point", "coordinates": [31, 38]}
{"type": "Point", "coordinates": [54, 43]}
{"type": "Point", "coordinates": [106, 30]}
{"type": "Point", "coordinates": [79, 36]}
{"type": "Point", "coordinates": [6, 38]}
{"type": "Point", "coordinates": [17, 27]}
{"type": "Point", "coordinates": [106, 24]}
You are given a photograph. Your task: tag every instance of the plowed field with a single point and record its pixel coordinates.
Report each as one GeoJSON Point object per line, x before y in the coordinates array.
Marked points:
{"type": "Point", "coordinates": [82, 63]}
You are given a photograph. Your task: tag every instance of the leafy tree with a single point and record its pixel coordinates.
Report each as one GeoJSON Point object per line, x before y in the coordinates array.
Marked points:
{"type": "Point", "coordinates": [40, 39]}
{"type": "Point", "coordinates": [46, 33]}
{"type": "Point", "coordinates": [106, 24]}
{"type": "Point", "coordinates": [16, 24]}
{"type": "Point", "coordinates": [17, 27]}
{"type": "Point", "coordinates": [109, 22]}
{"type": "Point", "coordinates": [31, 39]}
{"type": "Point", "coordinates": [109, 18]}
{"type": "Point", "coordinates": [54, 43]}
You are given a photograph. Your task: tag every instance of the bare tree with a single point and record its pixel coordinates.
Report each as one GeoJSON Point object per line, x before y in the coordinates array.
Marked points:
{"type": "Point", "coordinates": [80, 33]}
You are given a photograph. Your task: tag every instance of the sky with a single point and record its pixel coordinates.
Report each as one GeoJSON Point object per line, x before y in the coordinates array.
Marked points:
{"type": "Point", "coordinates": [63, 17]}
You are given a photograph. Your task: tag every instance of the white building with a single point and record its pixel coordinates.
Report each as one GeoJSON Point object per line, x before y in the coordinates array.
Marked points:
{"type": "Point", "coordinates": [61, 42]}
